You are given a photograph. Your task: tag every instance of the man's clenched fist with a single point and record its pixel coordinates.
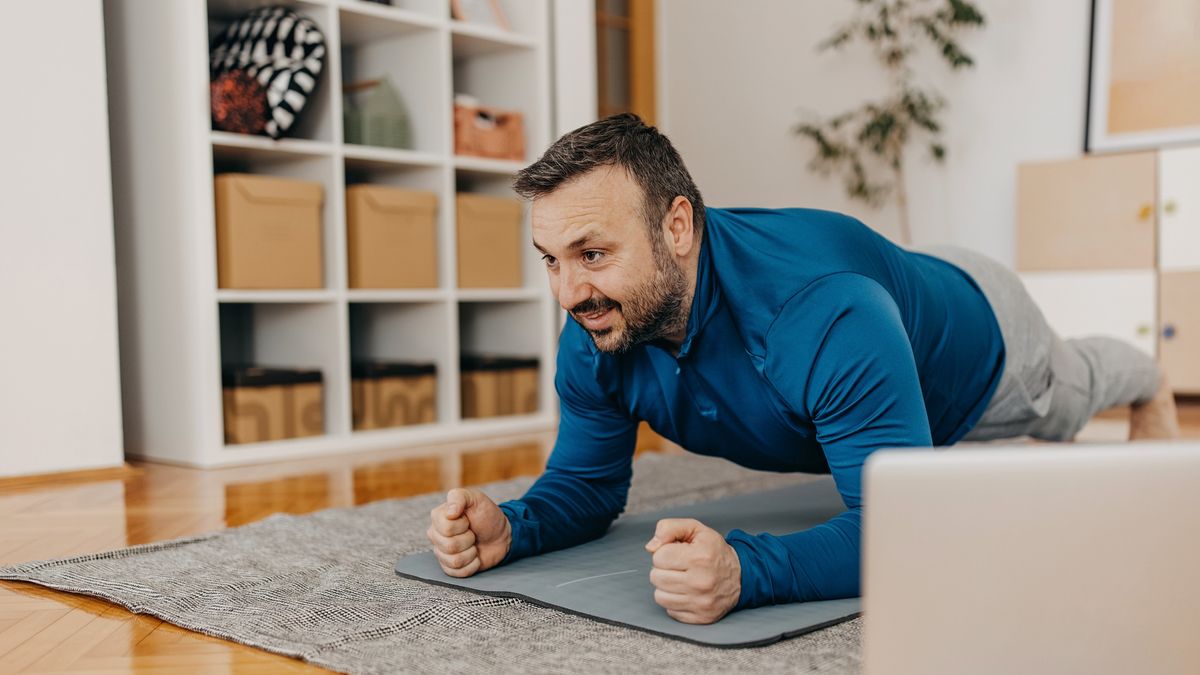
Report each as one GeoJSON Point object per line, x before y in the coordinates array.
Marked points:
{"type": "Point", "coordinates": [697, 576]}
{"type": "Point", "coordinates": [469, 533]}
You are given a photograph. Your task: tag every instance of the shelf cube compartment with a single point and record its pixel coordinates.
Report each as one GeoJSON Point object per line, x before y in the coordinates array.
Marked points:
{"type": "Point", "coordinates": [283, 356]}
{"type": "Point", "coordinates": [391, 237]}
{"type": "Point", "coordinates": [272, 209]}
{"type": "Point", "coordinates": [487, 78]}
{"type": "Point", "coordinates": [482, 131]}
{"type": "Point", "coordinates": [499, 362]}
{"type": "Point", "coordinates": [392, 71]}
{"type": "Point", "coordinates": [315, 119]}
{"type": "Point", "coordinates": [495, 385]}
{"type": "Point", "coordinates": [399, 361]}
{"type": "Point", "coordinates": [489, 241]}
{"type": "Point", "coordinates": [477, 181]}
{"type": "Point", "coordinates": [268, 232]}
{"type": "Point", "coordinates": [271, 404]}
{"type": "Point", "coordinates": [392, 394]}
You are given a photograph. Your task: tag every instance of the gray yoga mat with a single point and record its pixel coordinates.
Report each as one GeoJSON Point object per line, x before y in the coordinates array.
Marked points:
{"type": "Point", "coordinates": [608, 579]}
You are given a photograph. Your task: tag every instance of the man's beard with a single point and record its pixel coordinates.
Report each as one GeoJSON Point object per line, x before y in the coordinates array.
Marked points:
{"type": "Point", "coordinates": [652, 311]}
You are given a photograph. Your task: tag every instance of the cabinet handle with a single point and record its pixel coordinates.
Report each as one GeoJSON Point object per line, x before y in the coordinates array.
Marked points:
{"type": "Point", "coordinates": [1145, 212]}
{"type": "Point", "coordinates": [1170, 207]}
{"type": "Point", "coordinates": [1168, 331]}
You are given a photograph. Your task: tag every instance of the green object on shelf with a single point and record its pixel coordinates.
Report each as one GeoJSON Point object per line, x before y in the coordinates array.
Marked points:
{"type": "Point", "coordinates": [375, 114]}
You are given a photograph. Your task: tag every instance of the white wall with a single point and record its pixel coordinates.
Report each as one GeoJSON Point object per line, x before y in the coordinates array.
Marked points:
{"type": "Point", "coordinates": [60, 406]}
{"type": "Point", "coordinates": [733, 77]}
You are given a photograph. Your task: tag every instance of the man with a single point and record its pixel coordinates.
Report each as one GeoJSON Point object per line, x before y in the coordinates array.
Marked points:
{"type": "Point", "coordinates": [782, 340]}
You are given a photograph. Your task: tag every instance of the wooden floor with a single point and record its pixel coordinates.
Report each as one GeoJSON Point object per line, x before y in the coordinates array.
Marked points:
{"type": "Point", "coordinates": [46, 631]}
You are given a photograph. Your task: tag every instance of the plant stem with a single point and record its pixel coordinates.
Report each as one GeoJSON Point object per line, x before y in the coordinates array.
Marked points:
{"type": "Point", "coordinates": [902, 205]}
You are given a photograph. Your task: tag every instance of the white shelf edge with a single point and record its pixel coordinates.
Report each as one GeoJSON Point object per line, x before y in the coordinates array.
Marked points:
{"type": "Point", "coordinates": [397, 295]}
{"type": "Point", "coordinates": [499, 167]}
{"type": "Point", "coordinates": [379, 439]}
{"type": "Point", "coordinates": [280, 296]}
{"type": "Point", "coordinates": [386, 12]}
{"type": "Point", "coordinates": [499, 294]}
{"type": "Point", "coordinates": [374, 155]}
{"type": "Point", "coordinates": [267, 146]}
{"type": "Point", "coordinates": [497, 38]}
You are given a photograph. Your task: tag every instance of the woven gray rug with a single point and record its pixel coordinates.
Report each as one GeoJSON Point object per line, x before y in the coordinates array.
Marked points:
{"type": "Point", "coordinates": [320, 587]}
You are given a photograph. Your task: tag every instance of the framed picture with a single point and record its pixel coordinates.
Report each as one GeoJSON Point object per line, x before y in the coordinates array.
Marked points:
{"type": "Point", "coordinates": [1144, 74]}
{"type": "Point", "coordinates": [485, 12]}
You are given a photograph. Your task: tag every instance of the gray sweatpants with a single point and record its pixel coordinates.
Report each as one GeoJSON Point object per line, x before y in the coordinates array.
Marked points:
{"type": "Point", "coordinates": [1050, 387]}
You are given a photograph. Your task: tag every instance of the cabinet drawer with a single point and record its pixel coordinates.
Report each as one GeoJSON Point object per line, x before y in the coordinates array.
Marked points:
{"type": "Point", "coordinates": [1118, 303]}
{"type": "Point", "coordinates": [1179, 209]}
{"type": "Point", "coordinates": [1179, 337]}
{"type": "Point", "coordinates": [1095, 213]}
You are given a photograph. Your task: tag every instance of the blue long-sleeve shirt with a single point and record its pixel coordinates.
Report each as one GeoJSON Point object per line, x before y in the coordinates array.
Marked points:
{"type": "Point", "coordinates": [812, 342]}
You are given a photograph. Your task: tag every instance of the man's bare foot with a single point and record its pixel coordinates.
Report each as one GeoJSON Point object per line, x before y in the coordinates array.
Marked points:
{"type": "Point", "coordinates": [1156, 418]}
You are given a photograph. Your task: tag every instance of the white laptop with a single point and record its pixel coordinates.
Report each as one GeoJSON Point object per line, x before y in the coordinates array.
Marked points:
{"type": "Point", "coordinates": [1033, 559]}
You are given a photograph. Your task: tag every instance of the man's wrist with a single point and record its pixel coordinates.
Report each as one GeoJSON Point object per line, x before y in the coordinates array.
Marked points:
{"type": "Point", "coordinates": [510, 530]}
{"type": "Point", "coordinates": [746, 587]}
{"type": "Point", "coordinates": [507, 538]}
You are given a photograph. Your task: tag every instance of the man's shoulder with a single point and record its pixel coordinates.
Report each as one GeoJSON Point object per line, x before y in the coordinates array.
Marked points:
{"type": "Point", "coordinates": [796, 215]}
{"type": "Point", "coordinates": [763, 258]}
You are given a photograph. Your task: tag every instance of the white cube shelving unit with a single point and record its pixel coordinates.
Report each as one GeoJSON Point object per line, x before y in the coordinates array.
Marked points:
{"type": "Point", "coordinates": [178, 327]}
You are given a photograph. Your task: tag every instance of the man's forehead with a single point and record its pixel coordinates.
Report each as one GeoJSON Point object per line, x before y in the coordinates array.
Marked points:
{"type": "Point", "coordinates": [604, 203]}
{"type": "Point", "coordinates": [553, 232]}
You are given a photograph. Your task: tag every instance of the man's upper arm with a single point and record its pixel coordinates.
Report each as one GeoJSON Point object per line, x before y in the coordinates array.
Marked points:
{"type": "Point", "coordinates": [595, 436]}
{"type": "Point", "coordinates": [839, 355]}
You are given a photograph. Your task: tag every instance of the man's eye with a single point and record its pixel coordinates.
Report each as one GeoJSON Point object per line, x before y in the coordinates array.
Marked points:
{"type": "Point", "coordinates": [549, 260]}
{"type": "Point", "coordinates": [592, 256]}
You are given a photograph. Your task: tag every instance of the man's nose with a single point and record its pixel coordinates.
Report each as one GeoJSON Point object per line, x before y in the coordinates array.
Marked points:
{"type": "Point", "coordinates": [573, 287]}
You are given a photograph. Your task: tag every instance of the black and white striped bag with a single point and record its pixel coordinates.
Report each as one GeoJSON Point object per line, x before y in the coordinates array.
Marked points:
{"type": "Point", "coordinates": [283, 51]}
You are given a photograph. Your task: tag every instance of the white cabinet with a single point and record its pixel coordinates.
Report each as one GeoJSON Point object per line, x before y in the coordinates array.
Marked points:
{"type": "Point", "coordinates": [1117, 303]}
{"type": "Point", "coordinates": [1179, 209]}
{"type": "Point", "coordinates": [1179, 339]}
{"type": "Point", "coordinates": [179, 328]}
{"type": "Point", "coordinates": [1095, 269]}
{"type": "Point", "coordinates": [1086, 214]}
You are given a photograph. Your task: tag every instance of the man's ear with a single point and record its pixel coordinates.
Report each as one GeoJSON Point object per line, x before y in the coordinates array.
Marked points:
{"type": "Point", "coordinates": [679, 227]}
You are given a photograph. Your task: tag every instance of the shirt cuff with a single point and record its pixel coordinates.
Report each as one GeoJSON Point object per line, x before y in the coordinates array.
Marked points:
{"type": "Point", "coordinates": [757, 589]}
{"type": "Point", "coordinates": [526, 535]}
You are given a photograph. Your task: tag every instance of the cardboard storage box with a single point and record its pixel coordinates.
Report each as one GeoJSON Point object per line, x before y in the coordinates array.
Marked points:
{"type": "Point", "coordinates": [496, 385]}
{"type": "Point", "coordinates": [270, 404]}
{"type": "Point", "coordinates": [392, 394]}
{"type": "Point", "coordinates": [268, 232]}
{"type": "Point", "coordinates": [391, 237]}
{"type": "Point", "coordinates": [489, 241]}
{"type": "Point", "coordinates": [484, 131]}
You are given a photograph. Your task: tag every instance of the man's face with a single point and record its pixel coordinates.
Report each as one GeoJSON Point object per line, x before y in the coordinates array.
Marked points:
{"type": "Point", "coordinates": [602, 266]}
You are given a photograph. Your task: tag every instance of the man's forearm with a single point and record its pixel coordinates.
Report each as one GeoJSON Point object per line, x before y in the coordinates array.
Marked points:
{"type": "Point", "coordinates": [821, 563]}
{"type": "Point", "coordinates": [562, 510]}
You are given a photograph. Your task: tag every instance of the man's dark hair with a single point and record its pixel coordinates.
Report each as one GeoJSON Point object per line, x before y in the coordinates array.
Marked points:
{"type": "Point", "coordinates": [625, 141]}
